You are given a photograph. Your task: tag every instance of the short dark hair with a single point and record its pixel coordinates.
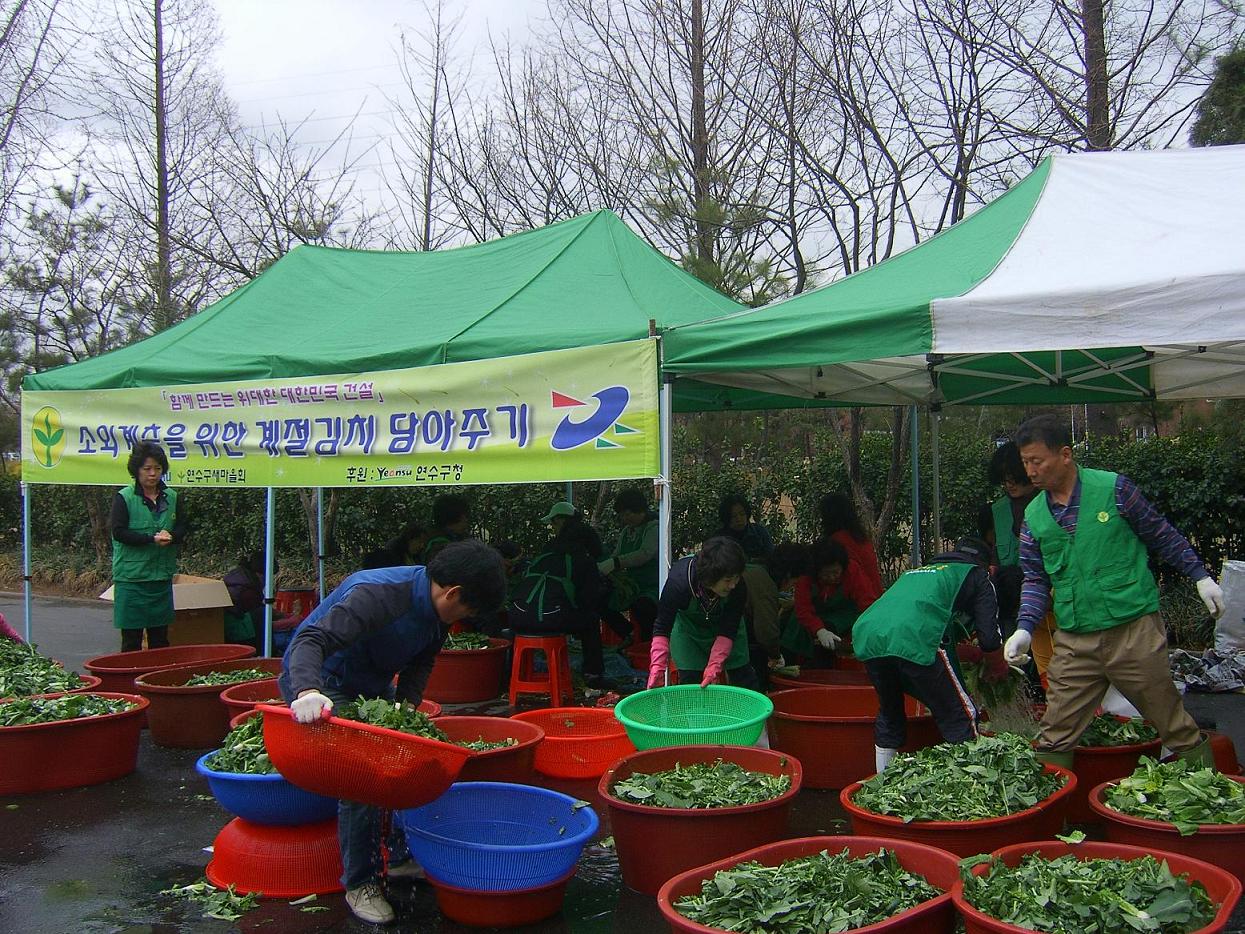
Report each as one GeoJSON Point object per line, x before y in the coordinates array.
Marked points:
{"type": "Point", "coordinates": [728, 503]}
{"type": "Point", "coordinates": [718, 558]}
{"type": "Point", "coordinates": [1049, 429]}
{"type": "Point", "coordinates": [139, 454]}
{"type": "Point", "coordinates": [1005, 464]}
{"type": "Point", "coordinates": [449, 507]}
{"type": "Point", "coordinates": [507, 549]}
{"type": "Point", "coordinates": [475, 568]}
{"type": "Point", "coordinates": [827, 552]}
{"type": "Point", "coordinates": [974, 549]}
{"type": "Point", "coordinates": [631, 499]}
{"type": "Point", "coordinates": [839, 512]}
{"type": "Point", "coordinates": [788, 559]}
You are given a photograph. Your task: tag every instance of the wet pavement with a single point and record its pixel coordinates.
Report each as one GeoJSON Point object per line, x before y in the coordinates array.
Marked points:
{"type": "Point", "coordinates": [95, 859]}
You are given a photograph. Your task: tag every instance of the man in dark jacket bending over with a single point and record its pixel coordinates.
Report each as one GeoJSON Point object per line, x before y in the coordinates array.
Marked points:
{"type": "Point", "coordinates": [378, 624]}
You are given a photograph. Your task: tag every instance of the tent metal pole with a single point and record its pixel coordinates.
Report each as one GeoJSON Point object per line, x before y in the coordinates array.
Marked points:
{"type": "Point", "coordinates": [270, 510]}
{"type": "Point", "coordinates": [27, 596]}
{"type": "Point", "coordinates": [935, 420]}
{"type": "Point", "coordinates": [665, 432]}
{"type": "Point", "coordinates": [320, 542]}
{"type": "Point", "coordinates": [914, 423]}
{"type": "Point", "coordinates": [570, 492]}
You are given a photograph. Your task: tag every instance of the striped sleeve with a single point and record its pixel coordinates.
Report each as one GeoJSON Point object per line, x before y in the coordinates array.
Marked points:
{"type": "Point", "coordinates": [1035, 592]}
{"type": "Point", "coordinates": [1161, 537]}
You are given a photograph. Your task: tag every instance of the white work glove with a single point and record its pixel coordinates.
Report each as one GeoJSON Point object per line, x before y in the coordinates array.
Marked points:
{"type": "Point", "coordinates": [311, 707]}
{"type": "Point", "coordinates": [827, 640]}
{"type": "Point", "coordinates": [1212, 595]}
{"type": "Point", "coordinates": [608, 566]}
{"type": "Point", "coordinates": [1016, 649]}
{"type": "Point", "coordinates": [778, 662]}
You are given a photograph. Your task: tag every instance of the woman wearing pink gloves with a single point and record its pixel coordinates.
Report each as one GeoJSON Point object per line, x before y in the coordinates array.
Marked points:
{"type": "Point", "coordinates": [700, 619]}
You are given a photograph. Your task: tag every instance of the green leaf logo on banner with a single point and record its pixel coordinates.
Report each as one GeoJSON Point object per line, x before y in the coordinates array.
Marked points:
{"type": "Point", "coordinates": [47, 436]}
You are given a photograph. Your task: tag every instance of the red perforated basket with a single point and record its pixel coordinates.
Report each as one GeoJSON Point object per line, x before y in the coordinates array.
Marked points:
{"type": "Point", "coordinates": [1222, 887]}
{"type": "Point", "coordinates": [277, 862]}
{"type": "Point", "coordinates": [830, 730]}
{"type": "Point", "coordinates": [968, 837]}
{"type": "Point", "coordinates": [938, 867]}
{"type": "Point", "coordinates": [580, 742]}
{"type": "Point", "coordinates": [192, 717]}
{"type": "Point", "coordinates": [501, 909]}
{"type": "Point", "coordinates": [360, 762]}
{"type": "Point", "coordinates": [71, 753]}
{"type": "Point", "coordinates": [466, 676]}
{"type": "Point", "coordinates": [506, 764]}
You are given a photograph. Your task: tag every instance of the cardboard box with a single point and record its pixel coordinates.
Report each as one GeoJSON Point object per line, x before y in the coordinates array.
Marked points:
{"type": "Point", "coordinates": [198, 610]}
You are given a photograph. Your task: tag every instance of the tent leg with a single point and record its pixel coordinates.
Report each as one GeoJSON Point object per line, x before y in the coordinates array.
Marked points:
{"type": "Point", "coordinates": [320, 542]}
{"type": "Point", "coordinates": [935, 421]}
{"type": "Point", "coordinates": [27, 596]}
{"type": "Point", "coordinates": [914, 424]}
{"type": "Point", "coordinates": [570, 492]}
{"type": "Point", "coordinates": [665, 432]}
{"type": "Point", "coordinates": [270, 510]}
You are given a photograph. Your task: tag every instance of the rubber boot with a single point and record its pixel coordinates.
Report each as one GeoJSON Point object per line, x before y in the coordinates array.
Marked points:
{"type": "Point", "coordinates": [1200, 756]}
{"type": "Point", "coordinates": [882, 757]}
{"type": "Point", "coordinates": [1062, 759]}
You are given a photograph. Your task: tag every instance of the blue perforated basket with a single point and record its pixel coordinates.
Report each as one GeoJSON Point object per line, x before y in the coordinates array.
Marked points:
{"type": "Point", "coordinates": [265, 799]}
{"type": "Point", "coordinates": [498, 837]}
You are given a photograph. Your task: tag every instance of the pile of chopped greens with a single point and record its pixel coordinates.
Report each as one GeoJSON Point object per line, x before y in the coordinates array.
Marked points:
{"type": "Point", "coordinates": [990, 777]}
{"type": "Point", "coordinates": [808, 895]}
{"type": "Point", "coordinates": [465, 642]}
{"type": "Point", "coordinates": [1067, 895]}
{"type": "Point", "coordinates": [228, 677]}
{"type": "Point", "coordinates": [224, 904]}
{"type": "Point", "coordinates": [701, 785]}
{"type": "Point", "coordinates": [243, 752]}
{"type": "Point", "coordinates": [23, 671]}
{"type": "Point", "coordinates": [405, 718]}
{"type": "Point", "coordinates": [29, 710]}
{"type": "Point", "coordinates": [485, 745]}
{"type": "Point", "coordinates": [1178, 793]}
{"type": "Point", "coordinates": [1106, 730]}
{"type": "Point", "coordinates": [992, 695]}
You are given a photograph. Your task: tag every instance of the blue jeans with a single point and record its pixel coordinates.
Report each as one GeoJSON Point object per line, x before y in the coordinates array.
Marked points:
{"type": "Point", "coordinates": [359, 830]}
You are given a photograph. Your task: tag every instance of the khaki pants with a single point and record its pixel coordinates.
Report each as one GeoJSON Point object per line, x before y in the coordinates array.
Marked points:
{"type": "Point", "coordinates": [1133, 657]}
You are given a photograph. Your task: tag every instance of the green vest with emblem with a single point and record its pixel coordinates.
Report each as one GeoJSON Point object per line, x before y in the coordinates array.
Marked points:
{"type": "Point", "coordinates": [910, 620]}
{"type": "Point", "coordinates": [696, 628]}
{"type": "Point", "coordinates": [1006, 542]}
{"type": "Point", "coordinates": [1100, 577]}
{"type": "Point", "coordinates": [644, 576]}
{"type": "Point", "coordinates": [145, 562]}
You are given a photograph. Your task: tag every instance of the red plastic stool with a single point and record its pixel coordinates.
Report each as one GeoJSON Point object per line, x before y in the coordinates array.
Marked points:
{"type": "Point", "coordinates": [556, 682]}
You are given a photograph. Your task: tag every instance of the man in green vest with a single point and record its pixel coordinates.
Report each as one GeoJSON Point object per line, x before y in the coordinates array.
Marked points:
{"type": "Point", "coordinates": [1086, 543]}
{"type": "Point", "coordinates": [905, 636]}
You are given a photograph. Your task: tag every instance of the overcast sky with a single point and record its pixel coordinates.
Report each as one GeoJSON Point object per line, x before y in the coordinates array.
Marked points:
{"type": "Point", "coordinates": [326, 59]}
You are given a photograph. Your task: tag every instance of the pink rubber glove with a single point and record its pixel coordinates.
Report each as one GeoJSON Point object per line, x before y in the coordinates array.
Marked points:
{"type": "Point", "coordinates": [718, 655]}
{"type": "Point", "coordinates": [658, 661]}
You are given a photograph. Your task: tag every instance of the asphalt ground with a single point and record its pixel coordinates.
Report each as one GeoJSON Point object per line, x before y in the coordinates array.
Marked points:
{"type": "Point", "coordinates": [95, 859]}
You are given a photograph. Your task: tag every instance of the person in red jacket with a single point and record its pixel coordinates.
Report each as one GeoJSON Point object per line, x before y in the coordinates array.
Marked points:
{"type": "Point", "coordinates": [827, 602]}
{"type": "Point", "coordinates": [840, 522]}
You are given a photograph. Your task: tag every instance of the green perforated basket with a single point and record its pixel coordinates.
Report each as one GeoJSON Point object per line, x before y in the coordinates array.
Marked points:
{"type": "Point", "coordinates": [688, 714]}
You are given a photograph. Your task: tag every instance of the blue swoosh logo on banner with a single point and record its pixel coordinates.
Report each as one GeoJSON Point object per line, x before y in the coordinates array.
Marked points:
{"type": "Point", "coordinates": [569, 434]}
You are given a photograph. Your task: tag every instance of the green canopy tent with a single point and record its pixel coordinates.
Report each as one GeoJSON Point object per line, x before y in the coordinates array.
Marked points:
{"type": "Point", "coordinates": [588, 281]}
{"type": "Point", "coordinates": [1100, 277]}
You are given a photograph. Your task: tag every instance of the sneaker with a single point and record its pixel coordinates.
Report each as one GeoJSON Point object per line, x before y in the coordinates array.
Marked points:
{"type": "Point", "coordinates": [408, 869]}
{"type": "Point", "coordinates": [368, 904]}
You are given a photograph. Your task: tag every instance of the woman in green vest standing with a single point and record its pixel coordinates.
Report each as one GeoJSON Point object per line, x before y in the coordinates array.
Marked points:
{"type": "Point", "coordinates": [1000, 521]}
{"type": "Point", "coordinates": [632, 568]}
{"type": "Point", "coordinates": [700, 619]}
{"type": "Point", "coordinates": [148, 523]}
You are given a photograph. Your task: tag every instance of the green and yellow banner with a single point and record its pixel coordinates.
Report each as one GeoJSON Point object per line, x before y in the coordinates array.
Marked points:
{"type": "Point", "coordinates": [582, 414]}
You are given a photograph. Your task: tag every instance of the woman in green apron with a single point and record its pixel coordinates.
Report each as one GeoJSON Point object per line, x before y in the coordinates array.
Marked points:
{"type": "Point", "coordinates": [700, 619]}
{"type": "Point", "coordinates": [827, 602]}
{"type": "Point", "coordinates": [148, 523]}
{"type": "Point", "coordinates": [632, 568]}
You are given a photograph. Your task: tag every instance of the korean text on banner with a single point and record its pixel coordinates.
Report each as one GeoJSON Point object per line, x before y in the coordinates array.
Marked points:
{"type": "Point", "coordinates": [581, 414]}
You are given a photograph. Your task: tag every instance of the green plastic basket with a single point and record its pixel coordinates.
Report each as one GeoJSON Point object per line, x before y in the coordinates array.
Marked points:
{"type": "Point", "coordinates": [687, 715]}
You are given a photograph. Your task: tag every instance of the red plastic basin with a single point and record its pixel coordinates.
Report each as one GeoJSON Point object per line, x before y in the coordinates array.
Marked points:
{"type": "Point", "coordinates": [118, 670]}
{"type": "Point", "coordinates": [514, 764]}
{"type": "Point", "coordinates": [830, 730]}
{"type": "Point", "coordinates": [1223, 845]}
{"type": "Point", "coordinates": [278, 862]}
{"type": "Point", "coordinates": [184, 717]}
{"type": "Point", "coordinates": [1225, 753]}
{"type": "Point", "coordinates": [71, 753]}
{"type": "Point", "coordinates": [466, 676]}
{"type": "Point", "coordinates": [501, 909]}
{"type": "Point", "coordinates": [239, 698]}
{"type": "Point", "coordinates": [970, 837]}
{"type": "Point", "coordinates": [580, 742]}
{"type": "Point", "coordinates": [938, 867]}
{"type": "Point", "coordinates": [691, 837]}
{"type": "Point", "coordinates": [820, 677]}
{"type": "Point", "coordinates": [1094, 765]}
{"type": "Point", "coordinates": [1222, 887]}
